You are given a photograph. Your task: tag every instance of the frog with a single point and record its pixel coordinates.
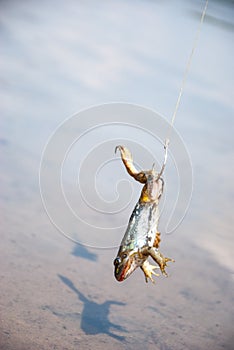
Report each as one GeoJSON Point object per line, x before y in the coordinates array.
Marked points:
{"type": "Point", "coordinates": [142, 238]}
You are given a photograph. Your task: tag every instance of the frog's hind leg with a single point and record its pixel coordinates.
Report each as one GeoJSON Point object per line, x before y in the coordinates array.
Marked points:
{"type": "Point", "coordinates": [159, 259]}
{"type": "Point", "coordinates": [128, 162]}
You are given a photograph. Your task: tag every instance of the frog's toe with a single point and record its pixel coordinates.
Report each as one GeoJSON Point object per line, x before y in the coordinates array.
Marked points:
{"type": "Point", "coordinates": [163, 264]}
{"type": "Point", "coordinates": [149, 271]}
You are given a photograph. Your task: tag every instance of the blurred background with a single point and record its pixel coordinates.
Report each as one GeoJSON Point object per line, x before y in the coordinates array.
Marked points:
{"type": "Point", "coordinates": [58, 58]}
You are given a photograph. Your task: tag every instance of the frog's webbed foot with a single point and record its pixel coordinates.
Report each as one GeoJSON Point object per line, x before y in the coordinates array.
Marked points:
{"type": "Point", "coordinates": [128, 162]}
{"type": "Point", "coordinates": [149, 271]}
{"type": "Point", "coordinates": [159, 259]}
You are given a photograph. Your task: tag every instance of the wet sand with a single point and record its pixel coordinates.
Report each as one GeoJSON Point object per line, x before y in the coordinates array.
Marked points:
{"type": "Point", "coordinates": [59, 295]}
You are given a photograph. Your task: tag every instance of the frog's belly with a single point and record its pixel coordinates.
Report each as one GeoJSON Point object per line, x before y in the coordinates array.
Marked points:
{"type": "Point", "coordinates": [142, 227]}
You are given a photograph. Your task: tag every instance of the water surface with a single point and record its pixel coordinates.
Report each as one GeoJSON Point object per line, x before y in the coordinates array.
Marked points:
{"type": "Point", "coordinates": [57, 59]}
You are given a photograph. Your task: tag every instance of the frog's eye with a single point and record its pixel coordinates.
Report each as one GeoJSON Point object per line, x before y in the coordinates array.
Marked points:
{"type": "Point", "coordinates": [117, 261]}
{"type": "Point", "coordinates": [124, 256]}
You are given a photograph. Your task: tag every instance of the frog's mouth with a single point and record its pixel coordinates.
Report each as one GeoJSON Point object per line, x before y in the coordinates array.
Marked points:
{"type": "Point", "coordinates": [122, 271]}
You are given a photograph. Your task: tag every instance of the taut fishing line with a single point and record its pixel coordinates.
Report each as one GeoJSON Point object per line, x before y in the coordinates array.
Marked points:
{"type": "Point", "coordinates": [186, 74]}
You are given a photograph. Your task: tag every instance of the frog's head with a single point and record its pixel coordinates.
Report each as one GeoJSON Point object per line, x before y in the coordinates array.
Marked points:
{"type": "Point", "coordinates": [124, 264]}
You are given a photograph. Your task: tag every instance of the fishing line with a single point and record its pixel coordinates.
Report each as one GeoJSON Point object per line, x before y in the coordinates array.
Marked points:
{"type": "Point", "coordinates": [185, 75]}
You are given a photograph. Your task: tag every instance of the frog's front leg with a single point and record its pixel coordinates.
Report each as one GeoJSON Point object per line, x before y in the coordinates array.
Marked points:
{"type": "Point", "coordinates": [149, 270]}
{"type": "Point", "coordinates": [157, 240]}
{"type": "Point", "coordinates": [159, 258]}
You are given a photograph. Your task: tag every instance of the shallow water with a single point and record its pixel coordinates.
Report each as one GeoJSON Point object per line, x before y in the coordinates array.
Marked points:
{"type": "Point", "coordinates": [58, 59]}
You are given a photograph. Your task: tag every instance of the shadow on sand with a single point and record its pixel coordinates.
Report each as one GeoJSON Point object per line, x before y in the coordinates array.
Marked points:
{"type": "Point", "coordinates": [81, 251]}
{"type": "Point", "coordinates": [95, 317]}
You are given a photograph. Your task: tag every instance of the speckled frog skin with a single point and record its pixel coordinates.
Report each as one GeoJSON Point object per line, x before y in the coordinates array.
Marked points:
{"type": "Point", "coordinates": [141, 239]}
